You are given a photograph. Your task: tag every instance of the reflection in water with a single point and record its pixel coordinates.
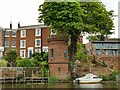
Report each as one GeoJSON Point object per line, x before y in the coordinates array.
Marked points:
{"type": "Point", "coordinates": [61, 85]}
{"type": "Point", "coordinates": [98, 85]}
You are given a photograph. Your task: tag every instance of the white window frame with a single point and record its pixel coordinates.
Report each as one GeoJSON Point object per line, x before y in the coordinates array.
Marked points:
{"type": "Point", "coordinates": [6, 42]}
{"type": "Point", "coordinates": [21, 53]}
{"type": "Point", "coordinates": [53, 33]}
{"type": "Point", "coordinates": [38, 50]}
{"type": "Point", "coordinates": [30, 49]}
{"type": "Point", "coordinates": [21, 33]}
{"type": "Point", "coordinates": [7, 35]}
{"type": "Point", "coordinates": [14, 35]}
{"type": "Point", "coordinates": [22, 46]}
{"type": "Point", "coordinates": [38, 30]}
{"type": "Point", "coordinates": [45, 48]}
{"type": "Point", "coordinates": [12, 43]}
{"type": "Point", "coordinates": [36, 42]}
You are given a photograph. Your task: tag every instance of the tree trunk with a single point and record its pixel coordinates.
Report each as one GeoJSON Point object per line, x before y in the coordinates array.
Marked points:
{"type": "Point", "coordinates": [72, 52]}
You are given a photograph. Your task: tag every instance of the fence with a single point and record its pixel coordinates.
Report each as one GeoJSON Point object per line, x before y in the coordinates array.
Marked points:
{"type": "Point", "coordinates": [23, 74]}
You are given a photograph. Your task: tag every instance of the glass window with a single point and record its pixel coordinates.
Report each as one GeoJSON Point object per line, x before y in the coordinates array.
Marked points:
{"type": "Point", "coordinates": [30, 52]}
{"type": "Point", "coordinates": [51, 54]}
{"type": "Point", "coordinates": [7, 43]}
{"type": "Point", "coordinates": [37, 42]}
{"type": "Point", "coordinates": [65, 54]}
{"type": "Point", "coordinates": [23, 33]}
{"type": "Point", "coordinates": [38, 32]}
{"type": "Point", "coordinates": [13, 33]}
{"type": "Point", "coordinates": [22, 43]}
{"type": "Point", "coordinates": [22, 53]}
{"type": "Point", "coordinates": [7, 33]}
{"type": "Point", "coordinates": [13, 43]}
{"type": "Point", "coordinates": [38, 50]}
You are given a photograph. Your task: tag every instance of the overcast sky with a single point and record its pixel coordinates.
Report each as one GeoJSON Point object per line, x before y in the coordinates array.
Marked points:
{"type": "Point", "coordinates": [26, 11]}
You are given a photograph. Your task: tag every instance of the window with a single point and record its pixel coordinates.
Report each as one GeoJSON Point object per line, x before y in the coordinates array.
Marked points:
{"type": "Point", "coordinates": [23, 33]}
{"type": "Point", "coordinates": [65, 54]}
{"type": "Point", "coordinates": [30, 52]}
{"type": "Point", "coordinates": [13, 33]}
{"type": "Point", "coordinates": [7, 43]}
{"type": "Point", "coordinates": [13, 43]}
{"type": "Point", "coordinates": [53, 32]}
{"type": "Point", "coordinates": [22, 43]}
{"type": "Point", "coordinates": [22, 53]}
{"type": "Point", "coordinates": [38, 50]}
{"type": "Point", "coordinates": [51, 54]}
{"type": "Point", "coordinates": [45, 48]}
{"type": "Point", "coordinates": [37, 42]}
{"type": "Point", "coordinates": [7, 33]}
{"type": "Point", "coordinates": [38, 32]}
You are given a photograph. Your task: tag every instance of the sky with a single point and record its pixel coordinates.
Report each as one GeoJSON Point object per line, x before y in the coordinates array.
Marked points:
{"type": "Point", "coordinates": [26, 12]}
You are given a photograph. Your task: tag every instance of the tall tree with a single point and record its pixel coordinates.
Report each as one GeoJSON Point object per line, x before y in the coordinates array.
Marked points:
{"type": "Point", "coordinates": [98, 20]}
{"type": "Point", "coordinates": [66, 18]}
{"type": "Point", "coordinates": [11, 56]}
{"type": "Point", "coordinates": [72, 18]}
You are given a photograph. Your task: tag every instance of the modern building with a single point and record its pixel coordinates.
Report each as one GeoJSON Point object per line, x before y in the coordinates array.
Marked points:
{"type": "Point", "coordinates": [108, 50]}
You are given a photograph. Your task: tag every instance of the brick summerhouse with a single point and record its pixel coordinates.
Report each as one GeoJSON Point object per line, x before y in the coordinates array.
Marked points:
{"type": "Point", "coordinates": [58, 57]}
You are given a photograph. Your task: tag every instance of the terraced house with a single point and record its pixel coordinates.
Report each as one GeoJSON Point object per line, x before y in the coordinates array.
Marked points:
{"type": "Point", "coordinates": [26, 39]}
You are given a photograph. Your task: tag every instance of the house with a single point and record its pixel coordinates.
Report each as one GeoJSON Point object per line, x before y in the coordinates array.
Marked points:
{"type": "Point", "coordinates": [32, 38]}
{"type": "Point", "coordinates": [26, 39]}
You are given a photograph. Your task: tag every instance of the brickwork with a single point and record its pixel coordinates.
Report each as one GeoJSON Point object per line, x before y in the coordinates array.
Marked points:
{"type": "Point", "coordinates": [58, 65]}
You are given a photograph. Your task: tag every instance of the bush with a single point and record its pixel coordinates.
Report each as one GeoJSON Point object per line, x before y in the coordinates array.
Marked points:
{"type": "Point", "coordinates": [52, 79]}
{"type": "Point", "coordinates": [3, 63]}
{"type": "Point", "coordinates": [25, 62]}
{"type": "Point", "coordinates": [110, 77]}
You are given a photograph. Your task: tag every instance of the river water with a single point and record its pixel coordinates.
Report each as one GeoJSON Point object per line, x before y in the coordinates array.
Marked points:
{"type": "Point", "coordinates": [61, 85]}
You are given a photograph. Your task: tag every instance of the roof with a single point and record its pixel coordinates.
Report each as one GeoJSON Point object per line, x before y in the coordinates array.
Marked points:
{"type": "Point", "coordinates": [32, 26]}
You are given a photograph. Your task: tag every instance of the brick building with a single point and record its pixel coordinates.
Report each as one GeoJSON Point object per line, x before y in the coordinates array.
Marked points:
{"type": "Point", "coordinates": [108, 50]}
{"type": "Point", "coordinates": [26, 39]}
{"type": "Point", "coordinates": [32, 39]}
{"type": "Point", "coordinates": [1, 42]}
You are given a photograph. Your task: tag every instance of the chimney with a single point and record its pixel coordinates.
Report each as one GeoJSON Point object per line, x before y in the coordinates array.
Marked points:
{"type": "Point", "coordinates": [18, 24]}
{"type": "Point", "coordinates": [10, 24]}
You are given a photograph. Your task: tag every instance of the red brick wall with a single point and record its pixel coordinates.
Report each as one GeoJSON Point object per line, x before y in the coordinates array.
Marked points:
{"type": "Point", "coordinates": [58, 45]}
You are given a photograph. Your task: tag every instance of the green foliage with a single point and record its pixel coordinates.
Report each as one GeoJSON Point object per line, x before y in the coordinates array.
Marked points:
{"type": "Point", "coordinates": [3, 63]}
{"type": "Point", "coordinates": [81, 52]}
{"type": "Point", "coordinates": [97, 19]}
{"type": "Point", "coordinates": [25, 62]}
{"type": "Point", "coordinates": [11, 56]}
{"type": "Point", "coordinates": [110, 77]}
{"type": "Point", "coordinates": [37, 56]}
{"type": "Point", "coordinates": [72, 18]}
{"type": "Point", "coordinates": [93, 38]}
{"type": "Point", "coordinates": [52, 79]}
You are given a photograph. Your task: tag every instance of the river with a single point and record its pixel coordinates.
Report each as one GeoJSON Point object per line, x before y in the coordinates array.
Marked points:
{"type": "Point", "coordinates": [61, 85]}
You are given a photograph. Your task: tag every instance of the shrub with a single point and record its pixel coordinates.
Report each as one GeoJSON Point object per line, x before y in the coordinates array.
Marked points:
{"type": "Point", "coordinates": [52, 79]}
{"type": "Point", "coordinates": [3, 63]}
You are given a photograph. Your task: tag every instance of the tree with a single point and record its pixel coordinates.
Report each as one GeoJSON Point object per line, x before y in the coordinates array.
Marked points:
{"type": "Point", "coordinates": [66, 18]}
{"type": "Point", "coordinates": [81, 52]}
{"type": "Point", "coordinates": [72, 18]}
{"type": "Point", "coordinates": [98, 20]}
{"type": "Point", "coordinates": [25, 62]}
{"type": "Point", "coordinates": [11, 56]}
